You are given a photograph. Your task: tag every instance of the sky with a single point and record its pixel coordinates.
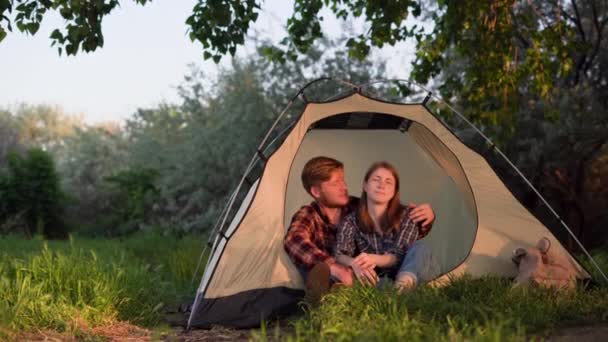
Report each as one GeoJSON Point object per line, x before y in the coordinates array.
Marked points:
{"type": "Point", "coordinates": [145, 56]}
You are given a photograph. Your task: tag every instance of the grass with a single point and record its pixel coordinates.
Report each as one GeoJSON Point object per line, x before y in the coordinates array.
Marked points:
{"type": "Point", "coordinates": [486, 309]}
{"type": "Point", "coordinates": [78, 285]}
{"type": "Point", "coordinates": [86, 288]}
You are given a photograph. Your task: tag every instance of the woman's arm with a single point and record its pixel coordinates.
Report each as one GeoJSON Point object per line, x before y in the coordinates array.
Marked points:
{"type": "Point", "coordinates": [385, 260]}
{"type": "Point", "coordinates": [344, 260]}
{"type": "Point", "coordinates": [380, 260]}
{"type": "Point", "coordinates": [367, 260]}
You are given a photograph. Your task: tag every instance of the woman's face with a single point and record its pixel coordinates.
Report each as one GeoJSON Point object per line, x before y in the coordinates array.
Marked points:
{"type": "Point", "coordinates": [380, 187]}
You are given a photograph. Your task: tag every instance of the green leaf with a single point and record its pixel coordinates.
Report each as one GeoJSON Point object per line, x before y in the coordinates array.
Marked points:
{"type": "Point", "coordinates": [71, 49]}
{"type": "Point", "coordinates": [21, 26]}
{"type": "Point", "coordinates": [56, 34]}
{"type": "Point", "coordinates": [33, 28]}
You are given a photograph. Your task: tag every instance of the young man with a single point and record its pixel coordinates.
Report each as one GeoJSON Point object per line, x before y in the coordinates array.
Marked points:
{"type": "Point", "coordinates": [311, 238]}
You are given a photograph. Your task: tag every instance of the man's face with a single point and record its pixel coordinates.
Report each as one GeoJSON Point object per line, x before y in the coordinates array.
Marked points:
{"type": "Point", "coordinates": [332, 193]}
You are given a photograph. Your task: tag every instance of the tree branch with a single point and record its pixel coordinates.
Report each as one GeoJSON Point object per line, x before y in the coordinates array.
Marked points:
{"type": "Point", "coordinates": [578, 23]}
{"type": "Point", "coordinates": [598, 38]}
{"type": "Point", "coordinates": [580, 64]}
{"type": "Point", "coordinates": [525, 43]}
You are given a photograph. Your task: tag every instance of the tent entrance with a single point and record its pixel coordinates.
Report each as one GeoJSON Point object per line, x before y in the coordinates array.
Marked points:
{"type": "Point", "coordinates": [423, 179]}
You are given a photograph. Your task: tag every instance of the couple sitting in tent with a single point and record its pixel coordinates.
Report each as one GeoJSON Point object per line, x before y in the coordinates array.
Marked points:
{"type": "Point", "coordinates": [340, 239]}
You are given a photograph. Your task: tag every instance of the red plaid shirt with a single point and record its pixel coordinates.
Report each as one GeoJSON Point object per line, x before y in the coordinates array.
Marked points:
{"type": "Point", "coordinates": [311, 238]}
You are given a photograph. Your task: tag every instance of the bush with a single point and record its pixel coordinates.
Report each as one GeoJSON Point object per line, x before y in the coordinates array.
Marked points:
{"type": "Point", "coordinates": [32, 195]}
{"type": "Point", "coordinates": [135, 192]}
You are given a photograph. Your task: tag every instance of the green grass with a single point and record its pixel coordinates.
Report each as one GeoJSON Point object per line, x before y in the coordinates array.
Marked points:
{"type": "Point", "coordinates": [486, 309]}
{"type": "Point", "coordinates": [71, 286]}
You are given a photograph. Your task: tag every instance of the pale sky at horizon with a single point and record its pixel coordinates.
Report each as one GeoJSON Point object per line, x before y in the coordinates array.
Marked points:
{"type": "Point", "coordinates": [145, 56]}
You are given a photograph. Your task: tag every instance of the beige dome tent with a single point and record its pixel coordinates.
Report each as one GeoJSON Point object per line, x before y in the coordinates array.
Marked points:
{"type": "Point", "coordinates": [249, 277]}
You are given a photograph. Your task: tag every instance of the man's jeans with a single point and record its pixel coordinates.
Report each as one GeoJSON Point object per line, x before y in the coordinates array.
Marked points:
{"type": "Point", "coordinates": [420, 263]}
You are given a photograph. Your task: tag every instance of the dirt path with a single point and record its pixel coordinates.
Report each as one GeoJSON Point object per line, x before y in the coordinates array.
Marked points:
{"type": "Point", "coordinates": [215, 334]}
{"type": "Point", "coordinates": [580, 334]}
{"type": "Point", "coordinates": [131, 333]}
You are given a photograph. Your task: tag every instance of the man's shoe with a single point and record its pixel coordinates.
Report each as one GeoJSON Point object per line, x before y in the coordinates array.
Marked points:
{"type": "Point", "coordinates": [317, 282]}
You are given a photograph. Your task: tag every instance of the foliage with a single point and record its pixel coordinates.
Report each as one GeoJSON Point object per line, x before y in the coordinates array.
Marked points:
{"type": "Point", "coordinates": [9, 136]}
{"type": "Point", "coordinates": [501, 60]}
{"type": "Point", "coordinates": [44, 126]}
{"type": "Point", "coordinates": [221, 26]}
{"type": "Point", "coordinates": [30, 189]}
{"type": "Point", "coordinates": [83, 21]}
{"type": "Point", "coordinates": [86, 159]}
{"type": "Point", "coordinates": [26, 126]}
{"type": "Point", "coordinates": [201, 147]}
{"type": "Point", "coordinates": [136, 191]}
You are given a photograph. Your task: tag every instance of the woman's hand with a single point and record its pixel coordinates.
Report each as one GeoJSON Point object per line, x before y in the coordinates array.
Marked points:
{"type": "Point", "coordinates": [365, 260]}
{"type": "Point", "coordinates": [367, 276]}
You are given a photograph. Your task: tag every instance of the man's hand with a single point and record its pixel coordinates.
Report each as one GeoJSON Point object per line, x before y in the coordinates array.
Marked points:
{"type": "Point", "coordinates": [424, 215]}
{"type": "Point", "coordinates": [342, 273]}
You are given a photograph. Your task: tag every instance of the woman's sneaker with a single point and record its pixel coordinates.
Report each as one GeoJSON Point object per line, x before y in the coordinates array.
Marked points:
{"type": "Point", "coordinates": [405, 282]}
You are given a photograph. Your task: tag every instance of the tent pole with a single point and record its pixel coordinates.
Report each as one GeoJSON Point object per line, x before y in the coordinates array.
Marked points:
{"type": "Point", "coordinates": [198, 266]}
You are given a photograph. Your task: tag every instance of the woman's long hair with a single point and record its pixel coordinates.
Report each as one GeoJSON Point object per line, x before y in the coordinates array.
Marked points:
{"type": "Point", "coordinates": [394, 211]}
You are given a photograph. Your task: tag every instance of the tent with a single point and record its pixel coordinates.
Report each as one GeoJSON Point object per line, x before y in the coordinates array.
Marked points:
{"type": "Point", "coordinates": [249, 277]}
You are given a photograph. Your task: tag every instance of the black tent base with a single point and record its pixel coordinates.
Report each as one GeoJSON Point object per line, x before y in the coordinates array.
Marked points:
{"type": "Point", "coordinates": [246, 309]}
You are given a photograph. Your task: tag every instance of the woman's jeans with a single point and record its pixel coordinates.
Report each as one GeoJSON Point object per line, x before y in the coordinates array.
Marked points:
{"type": "Point", "coordinates": [419, 263]}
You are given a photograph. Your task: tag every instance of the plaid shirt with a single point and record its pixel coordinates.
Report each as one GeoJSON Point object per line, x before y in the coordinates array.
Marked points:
{"type": "Point", "coordinates": [311, 238]}
{"type": "Point", "coordinates": [352, 241]}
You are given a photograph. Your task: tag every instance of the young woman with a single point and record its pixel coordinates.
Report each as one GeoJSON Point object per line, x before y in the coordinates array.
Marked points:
{"type": "Point", "coordinates": [374, 239]}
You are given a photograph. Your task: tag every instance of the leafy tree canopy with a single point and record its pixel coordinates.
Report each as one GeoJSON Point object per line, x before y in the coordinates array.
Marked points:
{"type": "Point", "coordinates": [482, 53]}
{"type": "Point", "coordinates": [219, 25]}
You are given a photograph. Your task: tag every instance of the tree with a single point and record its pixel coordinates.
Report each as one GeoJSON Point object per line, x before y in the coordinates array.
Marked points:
{"type": "Point", "coordinates": [532, 75]}
{"type": "Point", "coordinates": [41, 126]}
{"type": "Point", "coordinates": [31, 190]}
{"type": "Point", "coordinates": [88, 157]}
{"type": "Point", "coordinates": [9, 136]}
{"type": "Point", "coordinates": [495, 58]}
{"type": "Point", "coordinates": [220, 25]}
{"type": "Point", "coordinates": [201, 147]}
